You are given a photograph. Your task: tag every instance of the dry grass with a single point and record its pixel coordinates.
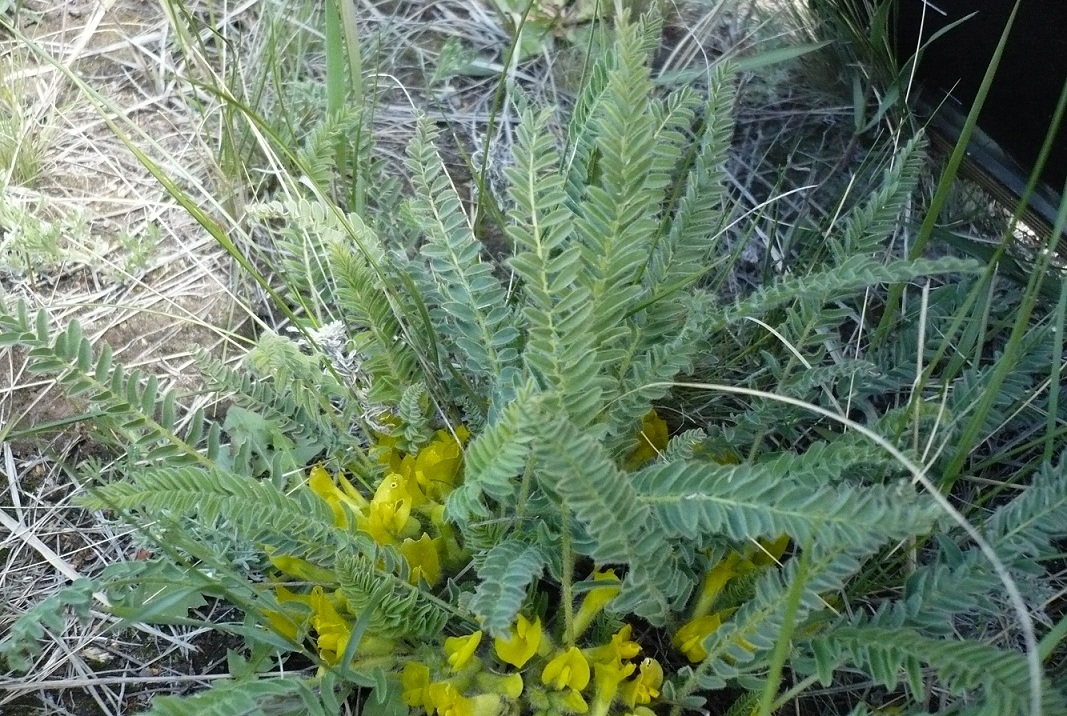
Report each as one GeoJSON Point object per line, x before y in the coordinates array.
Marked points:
{"type": "Point", "coordinates": [139, 273]}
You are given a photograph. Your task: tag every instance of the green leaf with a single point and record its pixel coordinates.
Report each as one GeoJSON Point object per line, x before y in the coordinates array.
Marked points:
{"type": "Point", "coordinates": [744, 502]}
{"type": "Point", "coordinates": [506, 573]}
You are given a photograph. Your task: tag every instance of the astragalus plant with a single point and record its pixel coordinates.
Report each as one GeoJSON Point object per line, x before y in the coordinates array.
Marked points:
{"type": "Point", "coordinates": [453, 492]}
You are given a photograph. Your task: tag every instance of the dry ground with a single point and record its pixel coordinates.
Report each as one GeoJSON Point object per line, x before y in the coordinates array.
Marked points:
{"type": "Point", "coordinates": [124, 259]}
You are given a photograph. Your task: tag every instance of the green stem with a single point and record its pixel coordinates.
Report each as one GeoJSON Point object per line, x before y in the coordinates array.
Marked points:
{"type": "Point", "coordinates": [1058, 324]}
{"type": "Point", "coordinates": [568, 578]}
{"type": "Point", "coordinates": [524, 491]}
{"type": "Point", "coordinates": [796, 690]}
{"type": "Point", "coordinates": [785, 638]}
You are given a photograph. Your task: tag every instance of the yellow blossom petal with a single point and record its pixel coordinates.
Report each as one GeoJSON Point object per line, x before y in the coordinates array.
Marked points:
{"type": "Point", "coordinates": [438, 464]}
{"type": "Point", "coordinates": [619, 649]}
{"type": "Point", "coordinates": [645, 686]}
{"type": "Point", "coordinates": [690, 638]}
{"type": "Point", "coordinates": [608, 675]}
{"type": "Point", "coordinates": [405, 471]}
{"type": "Point", "coordinates": [569, 669]}
{"type": "Point", "coordinates": [596, 599]}
{"type": "Point", "coordinates": [389, 513]}
{"type": "Point", "coordinates": [415, 681]}
{"type": "Point", "coordinates": [350, 491]}
{"type": "Point", "coordinates": [447, 701]}
{"type": "Point", "coordinates": [332, 629]}
{"type": "Point", "coordinates": [522, 644]}
{"type": "Point", "coordinates": [651, 440]}
{"type": "Point", "coordinates": [286, 622]}
{"type": "Point", "coordinates": [392, 490]}
{"type": "Point", "coordinates": [281, 623]}
{"type": "Point", "coordinates": [320, 482]}
{"type": "Point", "coordinates": [460, 649]}
{"type": "Point", "coordinates": [574, 703]}
{"type": "Point", "coordinates": [716, 578]}
{"type": "Point", "coordinates": [301, 569]}
{"type": "Point", "coordinates": [422, 558]}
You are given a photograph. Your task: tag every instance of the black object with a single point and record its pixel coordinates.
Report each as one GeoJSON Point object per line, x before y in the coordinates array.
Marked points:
{"type": "Point", "coordinates": [1018, 110]}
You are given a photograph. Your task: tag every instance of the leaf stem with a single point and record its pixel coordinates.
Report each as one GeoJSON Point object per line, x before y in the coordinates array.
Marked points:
{"type": "Point", "coordinates": [568, 577]}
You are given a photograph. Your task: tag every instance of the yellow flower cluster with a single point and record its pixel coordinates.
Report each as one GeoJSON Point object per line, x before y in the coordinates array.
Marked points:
{"type": "Point", "coordinates": [446, 697]}
{"type": "Point", "coordinates": [609, 668]}
{"type": "Point", "coordinates": [324, 615]}
{"type": "Point", "coordinates": [565, 673]}
{"type": "Point", "coordinates": [405, 512]}
{"type": "Point", "coordinates": [607, 674]}
{"type": "Point", "coordinates": [411, 494]}
{"type": "Point", "coordinates": [463, 676]}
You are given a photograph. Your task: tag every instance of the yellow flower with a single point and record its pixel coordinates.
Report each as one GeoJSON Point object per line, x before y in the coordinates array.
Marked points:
{"type": "Point", "coordinates": [596, 599]}
{"type": "Point", "coordinates": [283, 622]}
{"type": "Point", "coordinates": [568, 669]}
{"type": "Point", "coordinates": [716, 578]}
{"type": "Point", "coordinates": [619, 649]}
{"type": "Point", "coordinates": [645, 686]}
{"type": "Point", "coordinates": [437, 465]}
{"type": "Point", "coordinates": [608, 674]}
{"type": "Point", "coordinates": [301, 569]}
{"type": "Point", "coordinates": [389, 512]}
{"type": "Point", "coordinates": [322, 485]}
{"type": "Point", "coordinates": [332, 629]}
{"type": "Point", "coordinates": [690, 638]}
{"type": "Point", "coordinates": [444, 698]}
{"type": "Point", "coordinates": [460, 649]}
{"type": "Point", "coordinates": [651, 440]}
{"type": "Point", "coordinates": [415, 681]}
{"type": "Point", "coordinates": [522, 644]}
{"type": "Point", "coordinates": [574, 703]}
{"type": "Point", "coordinates": [421, 556]}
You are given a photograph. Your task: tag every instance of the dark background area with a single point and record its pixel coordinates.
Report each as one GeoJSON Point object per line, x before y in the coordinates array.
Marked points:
{"type": "Point", "coordinates": [1019, 108]}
